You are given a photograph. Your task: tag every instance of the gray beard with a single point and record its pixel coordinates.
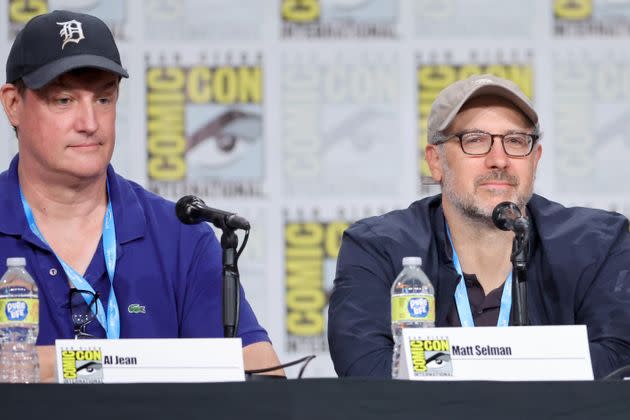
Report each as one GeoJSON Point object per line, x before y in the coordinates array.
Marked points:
{"type": "Point", "coordinates": [466, 203]}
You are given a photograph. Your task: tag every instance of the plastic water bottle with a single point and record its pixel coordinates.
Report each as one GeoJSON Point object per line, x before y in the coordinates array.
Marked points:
{"type": "Point", "coordinates": [19, 324]}
{"type": "Point", "coordinates": [413, 304]}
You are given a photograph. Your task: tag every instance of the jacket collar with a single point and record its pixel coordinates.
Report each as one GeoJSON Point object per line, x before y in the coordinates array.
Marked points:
{"type": "Point", "coordinates": [447, 277]}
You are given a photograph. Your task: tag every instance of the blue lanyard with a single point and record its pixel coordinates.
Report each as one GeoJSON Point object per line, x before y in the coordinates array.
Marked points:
{"type": "Point", "coordinates": [111, 323]}
{"type": "Point", "coordinates": [461, 295]}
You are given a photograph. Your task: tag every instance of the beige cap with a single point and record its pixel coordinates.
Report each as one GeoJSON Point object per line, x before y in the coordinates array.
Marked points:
{"type": "Point", "coordinates": [450, 100]}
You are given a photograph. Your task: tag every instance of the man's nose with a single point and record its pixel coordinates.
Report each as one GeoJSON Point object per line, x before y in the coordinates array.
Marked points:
{"type": "Point", "coordinates": [496, 157]}
{"type": "Point", "coordinates": [86, 121]}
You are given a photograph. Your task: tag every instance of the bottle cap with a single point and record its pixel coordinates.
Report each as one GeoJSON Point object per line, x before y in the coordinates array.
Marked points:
{"type": "Point", "coordinates": [412, 261]}
{"type": "Point", "coordinates": [16, 262]}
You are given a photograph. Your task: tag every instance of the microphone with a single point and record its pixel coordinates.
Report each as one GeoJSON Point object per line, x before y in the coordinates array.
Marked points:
{"type": "Point", "coordinates": [191, 210]}
{"type": "Point", "coordinates": [507, 216]}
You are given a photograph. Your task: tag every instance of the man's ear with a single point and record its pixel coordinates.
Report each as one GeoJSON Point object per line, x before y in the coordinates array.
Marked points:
{"type": "Point", "coordinates": [434, 160]}
{"type": "Point", "coordinates": [11, 99]}
{"type": "Point", "coordinates": [537, 154]}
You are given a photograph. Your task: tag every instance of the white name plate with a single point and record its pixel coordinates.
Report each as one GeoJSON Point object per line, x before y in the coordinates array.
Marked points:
{"type": "Point", "coordinates": [149, 360]}
{"type": "Point", "coordinates": [537, 353]}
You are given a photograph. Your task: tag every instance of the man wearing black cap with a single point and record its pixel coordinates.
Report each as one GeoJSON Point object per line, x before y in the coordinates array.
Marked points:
{"type": "Point", "coordinates": [90, 237]}
{"type": "Point", "coordinates": [483, 150]}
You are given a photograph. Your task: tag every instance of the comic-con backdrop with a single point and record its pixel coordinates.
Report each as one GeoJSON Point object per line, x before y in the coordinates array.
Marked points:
{"type": "Point", "coordinates": [306, 115]}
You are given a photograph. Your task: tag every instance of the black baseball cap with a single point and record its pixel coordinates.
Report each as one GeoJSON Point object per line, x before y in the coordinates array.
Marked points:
{"type": "Point", "coordinates": [57, 42]}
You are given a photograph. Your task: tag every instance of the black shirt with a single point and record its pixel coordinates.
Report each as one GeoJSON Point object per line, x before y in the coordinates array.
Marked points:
{"type": "Point", "coordinates": [484, 309]}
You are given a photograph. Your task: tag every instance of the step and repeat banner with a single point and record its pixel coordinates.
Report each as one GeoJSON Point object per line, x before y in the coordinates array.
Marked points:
{"type": "Point", "coordinates": [306, 115]}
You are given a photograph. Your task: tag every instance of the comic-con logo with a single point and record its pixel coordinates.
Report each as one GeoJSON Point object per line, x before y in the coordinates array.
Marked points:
{"type": "Point", "coordinates": [82, 366]}
{"type": "Point", "coordinates": [340, 120]}
{"type": "Point", "coordinates": [572, 10]}
{"type": "Point", "coordinates": [339, 18]}
{"type": "Point", "coordinates": [311, 254]}
{"type": "Point", "coordinates": [200, 113]}
{"type": "Point", "coordinates": [588, 18]}
{"type": "Point", "coordinates": [301, 11]}
{"type": "Point", "coordinates": [431, 357]}
{"type": "Point", "coordinates": [112, 12]}
{"type": "Point", "coordinates": [21, 11]}
{"type": "Point", "coordinates": [205, 127]}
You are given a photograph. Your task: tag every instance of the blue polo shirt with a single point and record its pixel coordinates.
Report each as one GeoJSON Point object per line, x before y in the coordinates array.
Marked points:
{"type": "Point", "coordinates": [171, 270]}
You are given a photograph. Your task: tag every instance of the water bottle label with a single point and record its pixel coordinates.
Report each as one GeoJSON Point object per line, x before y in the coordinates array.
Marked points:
{"type": "Point", "coordinates": [417, 307]}
{"type": "Point", "coordinates": [19, 310]}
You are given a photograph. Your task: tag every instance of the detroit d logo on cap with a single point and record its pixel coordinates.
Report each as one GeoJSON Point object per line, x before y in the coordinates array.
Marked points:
{"type": "Point", "coordinates": [71, 31]}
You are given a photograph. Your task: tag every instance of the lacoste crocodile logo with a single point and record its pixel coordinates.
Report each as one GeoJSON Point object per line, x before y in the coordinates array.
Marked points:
{"type": "Point", "coordinates": [136, 308]}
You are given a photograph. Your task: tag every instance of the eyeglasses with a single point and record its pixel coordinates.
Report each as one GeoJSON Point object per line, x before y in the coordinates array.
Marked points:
{"type": "Point", "coordinates": [81, 304]}
{"type": "Point", "coordinates": [478, 143]}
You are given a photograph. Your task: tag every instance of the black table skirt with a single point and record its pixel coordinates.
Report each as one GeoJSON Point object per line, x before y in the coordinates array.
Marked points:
{"type": "Point", "coordinates": [320, 399]}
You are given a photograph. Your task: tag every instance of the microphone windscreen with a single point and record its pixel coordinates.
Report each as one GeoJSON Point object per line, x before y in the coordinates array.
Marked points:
{"type": "Point", "coordinates": [504, 215]}
{"type": "Point", "coordinates": [183, 209]}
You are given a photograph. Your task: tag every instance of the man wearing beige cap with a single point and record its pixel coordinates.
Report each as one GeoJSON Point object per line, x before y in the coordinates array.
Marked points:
{"type": "Point", "coordinates": [483, 149]}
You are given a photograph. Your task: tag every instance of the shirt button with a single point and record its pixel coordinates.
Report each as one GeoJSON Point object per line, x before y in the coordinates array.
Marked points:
{"type": "Point", "coordinates": [52, 272]}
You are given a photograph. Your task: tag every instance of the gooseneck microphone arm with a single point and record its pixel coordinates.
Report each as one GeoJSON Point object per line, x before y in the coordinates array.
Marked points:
{"type": "Point", "coordinates": [231, 283]}
{"type": "Point", "coordinates": [192, 210]}
{"type": "Point", "coordinates": [520, 251]}
{"type": "Point", "coordinates": [507, 216]}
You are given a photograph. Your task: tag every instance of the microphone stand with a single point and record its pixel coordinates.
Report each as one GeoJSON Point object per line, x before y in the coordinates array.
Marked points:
{"type": "Point", "coordinates": [231, 289]}
{"type": "Point", "coordinates": [520, 251]}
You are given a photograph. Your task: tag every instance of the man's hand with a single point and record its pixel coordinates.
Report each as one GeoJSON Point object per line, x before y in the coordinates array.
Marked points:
{"type": "Point", "coordinates": [47, 363]}
{"type": "Point", "coordinates": [261, 355]}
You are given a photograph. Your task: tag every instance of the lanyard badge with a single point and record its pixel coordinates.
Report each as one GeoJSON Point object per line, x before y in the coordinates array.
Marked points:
{"type": "Point", "coordinates": [461, 295]}
{"type": "Point", "coordinates": [111, 321]}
